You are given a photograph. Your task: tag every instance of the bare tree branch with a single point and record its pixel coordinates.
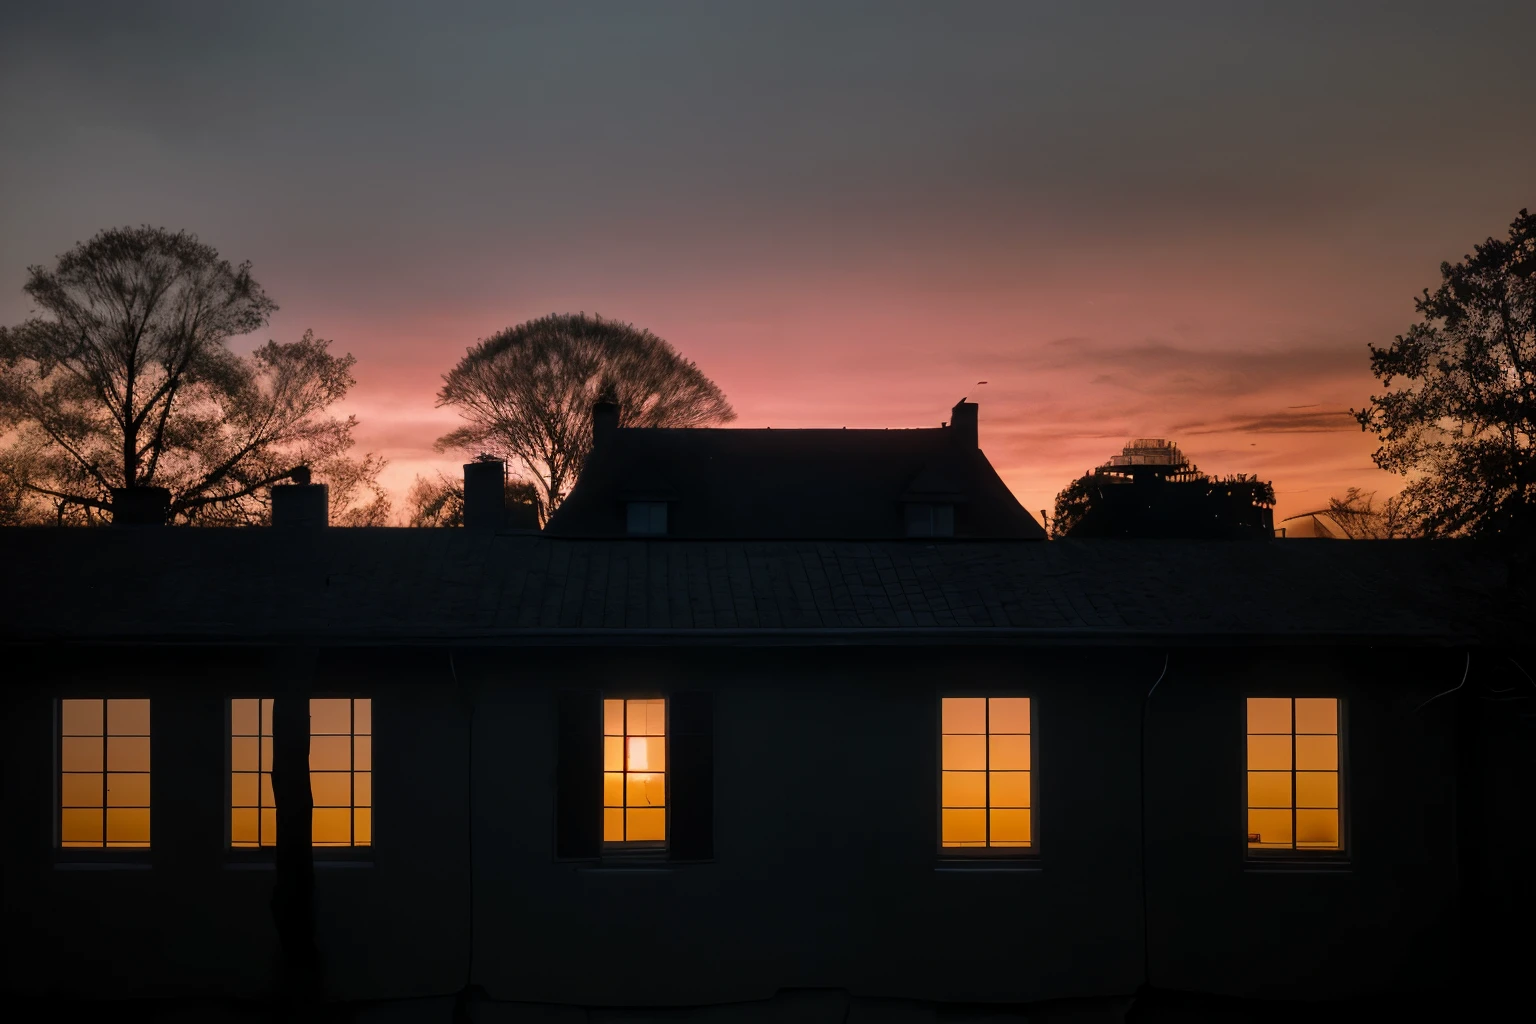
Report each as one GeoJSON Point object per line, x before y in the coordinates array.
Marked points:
{"type": "Point", "coordinates": [527, 393]}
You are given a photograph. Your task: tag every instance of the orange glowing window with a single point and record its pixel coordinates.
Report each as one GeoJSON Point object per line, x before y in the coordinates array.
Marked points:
{"type": "Point", "coordinates": [635, 771]}
{"type": "Point", "coordinates": [340, 772]}
{"type": "Point", "coordinates": [104, 773]}
{"type": "Point", "coordinates": [986, 789]}
{"type": "Point", "coordinates": [1293, 774]}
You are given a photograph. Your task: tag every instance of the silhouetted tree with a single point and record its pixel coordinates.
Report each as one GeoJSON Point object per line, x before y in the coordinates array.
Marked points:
{"type": "Point", "coordinates": [1357, 517]}
{"type": "Point", "coordinates": [1462, 420]}
{"type": "Point", "coordinates": [1072, 505]}
{"type": "Point", "coordinates": [125, 379]}
{"type": "Point", "coordinates": [527, 393]}
{"type": "Point", "coordinates": [440, 502]}
{"type": "Point", "coordinates": [13, 510]}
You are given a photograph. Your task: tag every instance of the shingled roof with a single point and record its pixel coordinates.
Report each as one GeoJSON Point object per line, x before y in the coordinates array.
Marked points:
{"type": "Point", "coordinates": [793, 484]}
{"type": "Point", "coordinates": [401, 586]}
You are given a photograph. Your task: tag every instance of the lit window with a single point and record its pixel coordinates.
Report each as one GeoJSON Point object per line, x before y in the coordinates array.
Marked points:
{"type": "Point", "coordinates": [253, 812]}
{"type": "Point", "coordinates": [634, 771]}
{"type": "Point", "coordinates": [1293, 773]}
{"type": "Point", "coordinates": [930, 520]}
{"type": "Point", "coordinates": [986, 788]}
{"type": "Point", "coordinates": [647, 517]}
{"type": "Point", "coordinates": [104, 773]}
{"type": "Point", "coordinates": [340, 772]}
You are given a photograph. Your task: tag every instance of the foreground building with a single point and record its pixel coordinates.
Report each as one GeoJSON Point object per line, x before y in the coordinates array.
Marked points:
{"type": "Point", "coordinates": [598, 771]}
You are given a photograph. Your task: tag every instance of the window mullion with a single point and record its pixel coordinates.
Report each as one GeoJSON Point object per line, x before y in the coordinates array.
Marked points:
{"type": "Point", "coordinates": [105, 732]}
{"type": "Point", "coordinates": [986, 774]}
{"type": "Point", "coordinates": [1294, 844]}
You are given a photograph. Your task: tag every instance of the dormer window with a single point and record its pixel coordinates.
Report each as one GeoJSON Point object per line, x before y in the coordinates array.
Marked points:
{"type": "Point", "coordinates": [647, 518]}
{"type": "Point", "coordinates": [926, 520]}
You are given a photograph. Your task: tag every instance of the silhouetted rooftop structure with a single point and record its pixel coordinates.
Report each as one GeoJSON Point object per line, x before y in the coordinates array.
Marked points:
{"type": "Point", "coordinates": [1149, 451]}
{"type": "Point", "coordinates": [1152, 490]}
{"type": "Point", "coordinates": [782, 484]}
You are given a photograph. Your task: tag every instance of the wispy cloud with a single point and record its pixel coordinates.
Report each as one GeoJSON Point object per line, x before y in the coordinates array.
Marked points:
{"type": "Point", "coordinates": [1283, 422]}
{"type": "Point", "coordinates": [1162, 368]}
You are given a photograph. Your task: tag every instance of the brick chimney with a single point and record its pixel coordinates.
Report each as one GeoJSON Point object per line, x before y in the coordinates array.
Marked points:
{"type": "Point", "coordinates": [963, 421]}
{"type": "Point", "coordinates": [301, 505]}
{"type": "Point", "coordinates": [485, 494]}
{"type": "Point", "coordinates": [140, 506]}
{"type": "Point", "coordinates": [605, 420]}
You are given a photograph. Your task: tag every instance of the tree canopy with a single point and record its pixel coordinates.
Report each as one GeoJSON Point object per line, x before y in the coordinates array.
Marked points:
{"type": "Point", "coordinates": [1460, 421]}
{"type": "Point", "coordinates": [440, 502]}
{"type": "Point", "coordinates": [123, 378]}
{"type": "Point", "coordinates": [527, 393]}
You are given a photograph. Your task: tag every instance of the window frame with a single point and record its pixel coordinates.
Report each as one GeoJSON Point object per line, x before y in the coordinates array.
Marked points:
{"type": "Point", "coordinates": [265, 855]}
{"type": "Point", "coordinates": [108, 856]}
{"type": "Point", "coordinates": [1278, 859]}
{"type": "Point", "coordinates": [651, 507]}
{"type": "Point", "coordinates": [932, 508]}
{"type": "Point", "coordinates": [988, 856]}
{"type": "Point", "coordinates": [629, 850]}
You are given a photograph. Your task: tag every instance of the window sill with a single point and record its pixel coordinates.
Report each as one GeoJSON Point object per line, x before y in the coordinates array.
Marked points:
{"type": "Point", "coordinates": [627, 865]}
{"type": "Point", "coordinates": [320, 865]}
{"type": "Point", "coordinates": [994, 865]}
{"type": "Point", "coordinates": [1297, 865]}
{"type": "Point", "coordinates": [324, 858]}
{"type": "Point", "coordinates": [101, 865]}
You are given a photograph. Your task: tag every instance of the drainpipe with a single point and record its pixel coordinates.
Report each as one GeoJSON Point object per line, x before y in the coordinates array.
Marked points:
{"type": "Point", "coordinates": [293, 894]}
{"type": "Point", "coordinates": [1146, 919]}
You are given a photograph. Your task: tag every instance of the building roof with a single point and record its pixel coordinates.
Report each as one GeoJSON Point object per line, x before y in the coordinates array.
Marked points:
{"type": "Point", "coordinates": [782, 484]}
{"type": "Point", "coordinates": [404, 586]}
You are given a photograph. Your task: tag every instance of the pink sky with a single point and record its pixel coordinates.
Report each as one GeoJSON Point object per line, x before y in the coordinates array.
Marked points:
{"type": "Point", "coordinates": [1249, 362]}
{"type": "Point", "coordinates": [1179, 220]}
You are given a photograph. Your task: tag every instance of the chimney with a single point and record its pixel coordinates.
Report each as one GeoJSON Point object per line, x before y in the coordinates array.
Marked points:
{"type": "Point", "coordinates": [140, 506]}
{"type": "Point", "coordinates": [301, 505]}
{"type": "Point", "coordinates": [964, 424]}
{"type": "Point", "coordinates": [605, 420]}
{"type": "Point", "coordinates": [485, 493]}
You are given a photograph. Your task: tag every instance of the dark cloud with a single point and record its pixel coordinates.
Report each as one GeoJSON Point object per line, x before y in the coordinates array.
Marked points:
{"type": "Point", "coordinates": [1164, 369]}
{"type": "Point", "coordinates": [1284, 422]}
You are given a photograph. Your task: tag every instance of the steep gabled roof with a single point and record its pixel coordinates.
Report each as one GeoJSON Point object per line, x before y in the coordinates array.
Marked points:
{"type": "Point", "coordinates": [782, 484]}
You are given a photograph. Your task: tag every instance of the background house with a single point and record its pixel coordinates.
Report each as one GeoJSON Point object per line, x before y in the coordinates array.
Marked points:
{"type": "Point", "coordinates": [782, 484]}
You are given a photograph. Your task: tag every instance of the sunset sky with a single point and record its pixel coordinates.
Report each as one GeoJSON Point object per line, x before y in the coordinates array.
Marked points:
{"type": "Point", "coordinates": [1132, 219]}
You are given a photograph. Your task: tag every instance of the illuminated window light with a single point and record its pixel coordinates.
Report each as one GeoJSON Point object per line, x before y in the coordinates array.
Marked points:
{"type": "Point", "coordinates": [986, 773]}
{"type": "Point", "coordinates": [1293, 774]}
{"type": "Point", "coordinates": [635, 771]}
{"type": "Point", "coordinates": [104, 773]}
{"type": "Point", "coordinates": [340, 772]}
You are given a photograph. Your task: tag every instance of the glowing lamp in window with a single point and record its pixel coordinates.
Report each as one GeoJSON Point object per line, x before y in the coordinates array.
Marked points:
{"type": "Point", "coordinates": [635, 771]}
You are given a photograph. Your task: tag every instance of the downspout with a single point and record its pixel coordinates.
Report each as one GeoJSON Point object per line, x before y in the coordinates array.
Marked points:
{"type": "Point", "coordinates": [462, 1014]}
{"type": "Point", "coordinates": [1146, 921]}
{"type": "Point", "coordinates": [293, 893]}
